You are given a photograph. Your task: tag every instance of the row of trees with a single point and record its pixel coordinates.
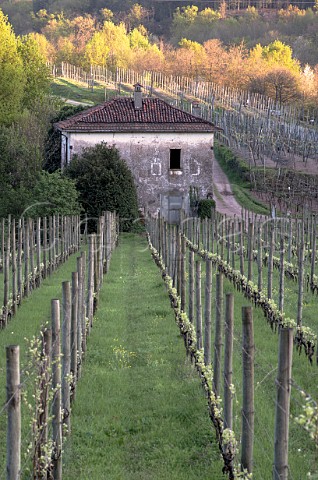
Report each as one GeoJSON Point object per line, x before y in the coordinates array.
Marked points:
{"type": "Point", "coordinates": [195, 50]}
{"type": "Point", "coordinates": [294, 25]}
{"type": "Point", "coordinates": [269, 69]}
{"type": "Point", "coordinates": [25, 114]}
{"type": "Point", "coordinates": [30, 147]}
{"type": "Point", "coordinates": [156, 16]}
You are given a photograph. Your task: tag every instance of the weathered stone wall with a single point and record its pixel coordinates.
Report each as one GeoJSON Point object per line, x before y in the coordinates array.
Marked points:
{"type": "Point", "coordinates": [148, 156]}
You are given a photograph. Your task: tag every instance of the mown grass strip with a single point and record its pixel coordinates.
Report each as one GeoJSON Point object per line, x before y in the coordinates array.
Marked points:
{"type": "Point", "coordinates": [140, 411]}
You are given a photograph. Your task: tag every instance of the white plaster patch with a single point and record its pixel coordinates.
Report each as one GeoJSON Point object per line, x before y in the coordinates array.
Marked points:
{"type": "Point", "coordinates": [194, 167]}
{"type": "Point", "coordinates": [156, 168]}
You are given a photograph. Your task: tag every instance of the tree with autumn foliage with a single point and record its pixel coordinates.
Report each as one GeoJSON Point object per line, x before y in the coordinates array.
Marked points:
{"type": "Point", "coordinates": [12, 79]}
{"type": "Point", "coordinates": [274, 72]}
{"type": "Point", "coordinates": [36, 73]}
{"type": "Point", "coordinates": [109, 46]}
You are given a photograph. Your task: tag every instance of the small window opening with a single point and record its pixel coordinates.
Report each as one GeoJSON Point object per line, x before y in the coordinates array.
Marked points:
{"type": "Point", "coordinates": [175, 159]}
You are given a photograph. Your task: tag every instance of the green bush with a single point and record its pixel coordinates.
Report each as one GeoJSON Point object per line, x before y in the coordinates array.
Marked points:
{"type": "Point", "coordinates": [104, 183]}
{"type": "Point", "coordinates": [54, 194]}
{"type": "Point", "coordinates": [232, 162]}
{"type": "Point", "coordinates": [205, 207]}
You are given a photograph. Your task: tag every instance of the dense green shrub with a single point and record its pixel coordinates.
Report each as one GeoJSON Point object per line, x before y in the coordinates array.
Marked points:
{"type": "Point", "coordinates": [51, 194]}
{"type": "Point", "coordinates": [232, 161]}
{"type": "Point", "coordinates": [54, 194]}
{"type": "Point", "coordinates": [104, 183]}
{"type": "Point", "coordinates": [205, 207]}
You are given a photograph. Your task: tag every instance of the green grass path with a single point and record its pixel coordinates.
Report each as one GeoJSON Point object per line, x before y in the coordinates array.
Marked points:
{"type": "Point", "coordinates": [140, 411]}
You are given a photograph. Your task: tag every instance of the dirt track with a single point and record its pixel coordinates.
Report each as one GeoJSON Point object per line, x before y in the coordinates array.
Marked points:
{"type": "Point", "coordinates": [223, 195]}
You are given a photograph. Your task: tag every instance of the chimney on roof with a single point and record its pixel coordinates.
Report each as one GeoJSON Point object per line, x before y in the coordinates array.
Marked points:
{"type": "Point", "coordinates": [138, 96]}
{"type": "Point", "coordinates": [196, 109]}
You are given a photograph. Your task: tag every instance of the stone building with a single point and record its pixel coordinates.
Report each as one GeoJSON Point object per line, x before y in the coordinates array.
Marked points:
{"type": "Point", "coordinates": [167, 149]}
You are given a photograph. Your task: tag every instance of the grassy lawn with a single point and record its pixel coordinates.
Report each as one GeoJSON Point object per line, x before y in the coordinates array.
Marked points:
{"type": "Point", "coordinates": [140, 411]}
{"type": "Point", "coordinates": [79, 92]}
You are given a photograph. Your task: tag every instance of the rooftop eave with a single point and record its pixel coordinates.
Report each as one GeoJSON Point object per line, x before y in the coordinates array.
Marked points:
{"type": "Point", "coordinates": [137, 128]}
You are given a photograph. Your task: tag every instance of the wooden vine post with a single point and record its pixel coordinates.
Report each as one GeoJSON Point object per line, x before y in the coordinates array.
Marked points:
{"type": "Point", "coordinates": [166, 243]}
{"type": "Point", "coordinates": [159, 223]}
{"type": "Point", "coordinates": [44, 247]}
{"type": "Point", "coordinates": [218, 334]}
{"type": "Point", "coordinates": [183, 274]}
{"type": "Point", "coordinates": [32, 274]}
{"type": "Point", "coordinates": [2, 241]}
{"type": "Point", "coordinates": [213, 230]}
{"type": "Point", "coordinates": [259, 257]}
{"type": "Point", "coordinates": [178, 260]}
{"type": "Point", "coordinates": [57, 238]}
{"type": "Point", "coordinates": [38, 250]}
{"type": "Point", "coordinates": [26, 253]}
{"type": "Point", "coordinates": [101, 251]}
{"type": "Point", "coordinates": [74, 327]}
{"type": "Point", "coordinates": [290, 238]}
{"type": "Point", "coordinates": [250, 251]}
{"type": "Point", "coordinates": [50, 247]}
{"type": "Point", "coordinates": [270, 260]}
{"type": "Point", "coordinates": [283, 384]}
{"type": "Point", "coordinates": [222, 240]}
{"type": "Point", "coordinates": [66, 238]}
{"type": "Point", "coordinates": [14, 269]}
{"type": "Point", "coordinates": [241, 246]}
{"type": "Point", "coordinates": [41, 458]}
{"type": "Point", "coordinates": [207, 312]}
{"type": "Point", "coordinates": [313, 250]}
{"type": "Point", "coordinates": [6, 272]}
{"type": "Point", "coordinates": [47, 356]}
{"type": "Point", "coordinates": [198, 304]}
{"type": "Point", "coordinates": [96, 273]}
{"type": "Point", "coordinates": [301, 251]}
{"type": "Point", "coordinates": [168, 247]}
{"type": "Point", "coordinates": [173, 255]}
{"type": "Point", "coordinates": [233, 224]}
{"type": "Point", "coordinates": [19, 262]}
{"type": "Point", "coordinates": [228, 361]}
{"type": "Point", "coordinates": [79, 316]}
{"type": "Point", "coordinates": [198, 231]}
{"type": "Point", "coordinates": [14, 413]}
{"type": "Point", "coordinates": [191, 286]}
{"type": "Point", "coordinates": [228, 240]}
{"type": "Point", "coordinates": [248, 390]}
{"type": "Point", "coordinates": [169, 250]}
{"type": "Point", "coordinates": [56, 385]}
{"type": "Point", "coordinates": [281, 275]}
{"type": "Point", "coordinates": [66, 360]}
{"type": "Point", "coordinates": [83, 311]}
{"type": "Point", "coordinates": [53, 242]}
{"type": "Point", "coordinates": [90, 286]}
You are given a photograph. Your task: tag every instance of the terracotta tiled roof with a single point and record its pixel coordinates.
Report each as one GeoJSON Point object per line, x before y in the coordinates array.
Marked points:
{"type": "Point", "coordinates": [119, 115]}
